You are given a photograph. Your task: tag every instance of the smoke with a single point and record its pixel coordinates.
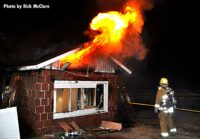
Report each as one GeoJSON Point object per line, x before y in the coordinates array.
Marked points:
{"type": "Point", "coordinates": [110, 5]}
{"type": "Point", "coordinates": [142, 5]}
{"type": "Point", "coordinates": [133, 45]}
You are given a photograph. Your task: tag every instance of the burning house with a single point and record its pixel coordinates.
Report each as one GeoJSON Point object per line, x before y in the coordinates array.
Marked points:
{"type": "Point", "coordinates": [50, 95]}
{"type": "Point", "coordinates": [81, 83]}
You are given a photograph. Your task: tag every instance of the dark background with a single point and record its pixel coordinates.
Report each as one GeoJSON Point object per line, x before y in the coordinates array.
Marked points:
{"type": "Point", "coordinates": [171, 34]}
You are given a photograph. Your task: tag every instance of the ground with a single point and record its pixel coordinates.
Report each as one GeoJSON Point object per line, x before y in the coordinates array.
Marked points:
{"type": "Point", "coordinates": [146, 126]}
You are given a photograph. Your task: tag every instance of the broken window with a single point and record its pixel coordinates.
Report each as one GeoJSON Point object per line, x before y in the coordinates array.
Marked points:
{"type": "Point", "coordinates": [74, 98]}
{"type": "Point", "coordinates": [99, 94]}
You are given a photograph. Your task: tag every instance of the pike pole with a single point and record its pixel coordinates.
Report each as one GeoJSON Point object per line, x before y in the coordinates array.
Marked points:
{"type": "Point", "coordinates": [150, 105]}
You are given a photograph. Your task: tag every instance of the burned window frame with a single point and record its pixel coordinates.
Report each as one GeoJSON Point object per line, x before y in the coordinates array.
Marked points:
{"type": "Point", "coordinates": [62, 84]}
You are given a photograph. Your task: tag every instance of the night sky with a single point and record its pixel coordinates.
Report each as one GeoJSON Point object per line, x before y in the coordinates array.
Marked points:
{"type": "Point", "coordinates": [170, 33]}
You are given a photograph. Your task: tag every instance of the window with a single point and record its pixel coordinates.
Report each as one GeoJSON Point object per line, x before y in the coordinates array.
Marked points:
{"type": "Point", "coordinates": [76, 98]}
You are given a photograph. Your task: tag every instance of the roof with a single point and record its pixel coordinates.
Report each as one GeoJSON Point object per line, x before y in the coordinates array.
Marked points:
{"type": "Point", "coordinates": [53, 62]}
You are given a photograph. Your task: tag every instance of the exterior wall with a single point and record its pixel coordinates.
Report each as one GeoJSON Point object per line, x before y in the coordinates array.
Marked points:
{"type": "Point", "coordinates": [34, 98]}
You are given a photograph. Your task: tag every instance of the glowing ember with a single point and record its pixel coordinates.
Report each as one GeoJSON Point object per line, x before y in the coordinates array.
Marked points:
{"type": "Point", "coordinates": [119, 36]}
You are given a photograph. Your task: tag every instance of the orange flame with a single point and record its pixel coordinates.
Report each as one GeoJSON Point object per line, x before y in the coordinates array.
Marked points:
{"type": "Point", "coordinates": [119, 36]}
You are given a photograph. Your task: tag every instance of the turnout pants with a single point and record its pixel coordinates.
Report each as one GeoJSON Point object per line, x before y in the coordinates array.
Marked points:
{"type": "Point", "coordinates": [166, 122]}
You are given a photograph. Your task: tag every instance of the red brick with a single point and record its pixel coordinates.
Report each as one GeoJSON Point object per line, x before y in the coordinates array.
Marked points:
{"type": "Point", "coordinates": [97, 121]}
{"type": "Point", "coordinates": [44, 101]}
{"type": "Point", "coordinates": [37, 102]}
{"type": "Point", "coordinates": [50, 130]}
{"type": "Point", "coordinates": [32, 78]}
{"type": "Point", "coordinates": [45, 72]}
{"type": "Point", "coordinates": [48, 79]}
{"type": "Point", "coordinates": [39, 94]}
{"type": "Point", "coordinates": [38, 86]}
{"type": "Point", "coordinates": [47, 108]}
{"type": "Point", "coordinates": [47, 123]}
{"type": "Point", "coordinates": [58, 128]}
{"type": "Point", "coordinates": [47, 94]}
{"type": "Point", "coordinates": [65, 75]}
{"type": "Point", "coordinates": [44, 130]}
{"type": "Point", "coordinates": [39, 109]}
{"type": "Point", "coordinates": [45, 86]}
{"type": "Point", "coordinates": [44, 116]}
{"type": "Point", "coordinates": [39, 124]}
{"type": "Point", "coordinates": [50, 101]}
{"type": "Point", "coordinates": [41, 79]}
{"type": "Point", "coordinates": [38, 117]}
{"type": "Point", "coordinates": [51, 86]}
{"type": "Point", "coordinates": [50, 115]}
{"type": "Point", "coordinates": [55, 73]}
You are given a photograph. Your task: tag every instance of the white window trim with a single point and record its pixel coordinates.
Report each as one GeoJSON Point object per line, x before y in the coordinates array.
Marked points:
{"type": "Point", "coordinates": [80, 84]}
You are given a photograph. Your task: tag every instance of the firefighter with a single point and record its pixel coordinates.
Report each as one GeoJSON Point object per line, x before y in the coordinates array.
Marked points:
{"type": "Point", "coordinates": [164, 105]}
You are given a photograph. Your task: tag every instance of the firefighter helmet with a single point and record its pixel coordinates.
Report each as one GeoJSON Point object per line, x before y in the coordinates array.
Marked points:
{"type": "Point", "coordinates": [164, 81]}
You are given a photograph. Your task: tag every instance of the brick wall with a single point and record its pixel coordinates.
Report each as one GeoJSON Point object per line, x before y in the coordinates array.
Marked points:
{"type": "Point", "coordinates": [34, 96]}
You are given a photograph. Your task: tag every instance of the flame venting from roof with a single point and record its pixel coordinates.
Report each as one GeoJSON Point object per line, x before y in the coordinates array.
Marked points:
{"type": "Point", "coordinates": [118, 35]}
